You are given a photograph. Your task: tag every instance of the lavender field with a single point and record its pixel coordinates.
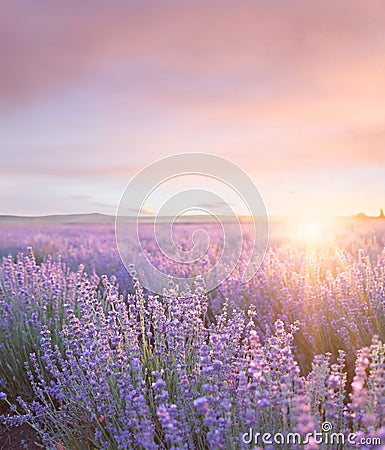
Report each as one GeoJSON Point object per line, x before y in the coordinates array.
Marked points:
{"type": "Point", "coordinates": [91, 360]}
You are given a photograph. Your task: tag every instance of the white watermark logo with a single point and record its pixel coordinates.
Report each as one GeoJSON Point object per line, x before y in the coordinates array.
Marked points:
{"type": "Point", "coordinates": [195, 230]}
{"type": "Point", "coordinates": [324, 436]}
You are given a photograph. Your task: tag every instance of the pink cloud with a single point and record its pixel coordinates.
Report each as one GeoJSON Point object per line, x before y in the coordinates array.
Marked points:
{"type": "Point", "coordinates": [277, 86]}
{"type": "Point", "coordinates": [51, 46]}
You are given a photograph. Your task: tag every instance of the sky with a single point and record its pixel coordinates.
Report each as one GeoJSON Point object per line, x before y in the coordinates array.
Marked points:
{"type": "Point", "coordinates": [292, 92]}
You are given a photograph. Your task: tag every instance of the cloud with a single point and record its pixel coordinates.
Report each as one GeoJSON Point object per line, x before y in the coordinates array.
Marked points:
{"type": "Point", "coordinates": [79, 197]}
{"type": "Point", "coordinates": [180, 50]}
{"type": "Point", "coordinates": [50, 169]}
{"type": "Point", "coordinates": [95, 91]}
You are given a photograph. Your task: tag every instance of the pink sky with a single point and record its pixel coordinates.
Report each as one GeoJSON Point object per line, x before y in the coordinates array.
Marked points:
{"type": "Point", "coordinates": [293, 92]}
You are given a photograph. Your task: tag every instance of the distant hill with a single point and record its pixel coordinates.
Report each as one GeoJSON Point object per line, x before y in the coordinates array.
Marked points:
{"type": "Point", "coordinates": [95, 218]}
{"type": "Point", "coordinates": [58, 219]}
{"type": "Point", "coordinates": [362, 215]}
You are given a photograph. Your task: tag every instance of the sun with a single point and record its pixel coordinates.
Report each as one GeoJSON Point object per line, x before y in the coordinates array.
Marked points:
{"type": "Point", "coordinates": [312, 231]}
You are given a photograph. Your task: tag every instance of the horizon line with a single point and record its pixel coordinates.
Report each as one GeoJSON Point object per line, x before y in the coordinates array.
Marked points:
{"type": "Point", "coordinates": [154, 216]}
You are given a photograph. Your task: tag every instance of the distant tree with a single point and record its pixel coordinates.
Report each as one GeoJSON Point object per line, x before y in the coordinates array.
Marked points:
{"type": "Point", "coordinates": [382, 215]}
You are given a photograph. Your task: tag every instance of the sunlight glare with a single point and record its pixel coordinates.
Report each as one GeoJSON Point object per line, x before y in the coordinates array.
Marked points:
{"type": "Point", "coordinates": [312, 231]}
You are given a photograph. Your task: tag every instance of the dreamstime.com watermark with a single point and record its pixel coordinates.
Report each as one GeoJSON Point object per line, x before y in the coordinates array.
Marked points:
{"type": "Point", "coordinates": [152, 247]}
{"type": "Point", "coordinates": [324, 436]}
